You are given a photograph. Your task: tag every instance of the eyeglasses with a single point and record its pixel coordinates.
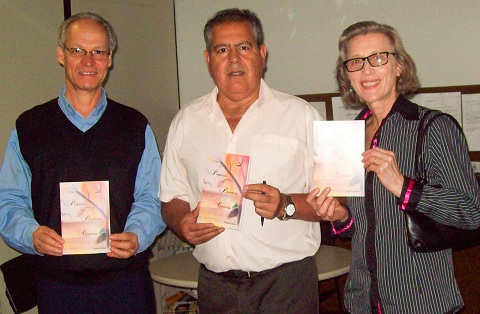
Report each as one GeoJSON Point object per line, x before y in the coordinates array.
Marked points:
{"type": "Point", "coordinates": [97, 55]}
{"type": "Point", "coordinates": [377, 59]}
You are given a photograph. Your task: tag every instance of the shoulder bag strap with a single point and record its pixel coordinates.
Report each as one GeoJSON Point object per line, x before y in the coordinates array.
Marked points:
{"type": "Point", "coordinates": [425, 121]}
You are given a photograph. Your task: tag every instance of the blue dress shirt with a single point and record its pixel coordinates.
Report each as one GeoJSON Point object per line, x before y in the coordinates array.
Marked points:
{"type": "Point", "coordinates": [17, 222]}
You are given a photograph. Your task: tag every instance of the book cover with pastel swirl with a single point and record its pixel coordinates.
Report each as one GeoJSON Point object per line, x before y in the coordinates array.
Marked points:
{"type": "Point", "coordinates": [85, 216]}
{"type": "Point", "coordinates": [222, 194]}
{"type": "Point", "coordinates": [338, 148]}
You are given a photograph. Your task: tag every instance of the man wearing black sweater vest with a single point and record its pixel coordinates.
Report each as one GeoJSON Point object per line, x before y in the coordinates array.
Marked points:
{"type": "Point", "coordinates": [69, 144]}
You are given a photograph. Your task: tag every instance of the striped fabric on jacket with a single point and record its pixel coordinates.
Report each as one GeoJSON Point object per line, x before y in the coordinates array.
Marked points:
{"type": "Point", "coordinates": [386, 275]}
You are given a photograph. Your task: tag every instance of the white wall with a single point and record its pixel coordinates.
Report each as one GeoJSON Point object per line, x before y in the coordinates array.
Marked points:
{"type": "Point", "coordinates": [302, 37]}
{"type": "Point", "coordinates": [30, 72]}
{"type": "Point", "coordinates": [27, 34]}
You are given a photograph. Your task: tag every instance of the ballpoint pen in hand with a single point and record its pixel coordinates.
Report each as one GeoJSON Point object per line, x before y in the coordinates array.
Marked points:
{"type": "Point", "coordinates": [262, 219]}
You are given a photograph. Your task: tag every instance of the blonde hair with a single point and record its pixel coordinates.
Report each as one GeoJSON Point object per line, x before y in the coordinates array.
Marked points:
{"type": "Point", "coordinates": [407, 82]}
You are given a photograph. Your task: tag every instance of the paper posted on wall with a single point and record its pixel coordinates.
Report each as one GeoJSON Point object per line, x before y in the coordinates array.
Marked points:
{"type": "Point", "coordinates": [338, 146]}
{"type": "Point", "coordinates": [222, 194]}
{"type": "Point", "coordinates": [85, 217]}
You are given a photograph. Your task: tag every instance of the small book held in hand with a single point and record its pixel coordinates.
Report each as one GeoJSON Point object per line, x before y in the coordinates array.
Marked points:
{"type": "Point", "coordinates": [85, 216]}
{"type": "Point", "coordinates": [338, 146]}
{"type": "Point", "coordinates": [222, 194]}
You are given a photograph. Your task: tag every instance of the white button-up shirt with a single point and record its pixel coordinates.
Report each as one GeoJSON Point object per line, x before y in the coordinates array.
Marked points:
{"type": "Point", "coordinates": [277, 133]}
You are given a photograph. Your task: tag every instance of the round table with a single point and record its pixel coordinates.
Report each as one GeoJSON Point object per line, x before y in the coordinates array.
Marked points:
{"type": "Point", "coordinates": [332, 261]}
{"type": "Point", "coordinates": [181, 269]}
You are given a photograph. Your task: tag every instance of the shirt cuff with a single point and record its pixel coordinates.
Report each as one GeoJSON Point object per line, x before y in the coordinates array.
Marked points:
{"type": "Point", "coordinates": [411, 191]}
{"type": "Point", "coordinates": [140, 237]}
{"type": "Point", "coordinates": [339, 227]}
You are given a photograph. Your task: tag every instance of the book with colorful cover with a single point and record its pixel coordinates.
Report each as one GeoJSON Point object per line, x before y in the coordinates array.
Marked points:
{"type": "Point", "coordinates": [85, 217]}
{"type": "Point", "coordinates": [338, 148]}
{"type": "Point", "coordinates": [222, 194]}
{"type": "Point", "coordinates": [180, 302]}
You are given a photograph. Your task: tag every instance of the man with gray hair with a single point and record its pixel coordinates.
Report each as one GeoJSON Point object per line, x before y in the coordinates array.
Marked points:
{"type": "Point", "coordinates": [78, 138]}
{"type": "Point", "coordinates": [267, 266]}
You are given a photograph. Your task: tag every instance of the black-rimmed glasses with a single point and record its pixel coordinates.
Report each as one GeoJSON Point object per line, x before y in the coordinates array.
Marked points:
{"type": "Point", "coordinates": [377, 59]}
{"type": "Point", "coordinates": [80, 53]}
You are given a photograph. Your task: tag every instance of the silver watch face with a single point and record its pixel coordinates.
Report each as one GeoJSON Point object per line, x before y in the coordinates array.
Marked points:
{"type": "Point", "coordinates": [290, 210]}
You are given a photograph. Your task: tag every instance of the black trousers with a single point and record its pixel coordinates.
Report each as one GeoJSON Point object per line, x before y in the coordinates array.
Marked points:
{"type": "Point", "coordinates": [289, 288]}
{"type": "Point", "coordinates": [132, 294]}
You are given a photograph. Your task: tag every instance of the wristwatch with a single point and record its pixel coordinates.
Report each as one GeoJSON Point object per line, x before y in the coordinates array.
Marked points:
{"type": "Point", "coordinates": [289, 208]}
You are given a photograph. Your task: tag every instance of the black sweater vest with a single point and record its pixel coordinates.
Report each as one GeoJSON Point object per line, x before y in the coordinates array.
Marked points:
{"type": "Point", "coordinates": [57, 151]}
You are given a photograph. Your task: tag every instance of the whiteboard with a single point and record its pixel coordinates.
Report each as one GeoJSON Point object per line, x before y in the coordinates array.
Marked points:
{"type": "Point", "coordinates": [302, 36]}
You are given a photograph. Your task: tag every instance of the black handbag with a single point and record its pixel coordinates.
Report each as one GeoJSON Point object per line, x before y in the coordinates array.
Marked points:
{"type": "Point", "coordinates": [20, 284]}
{"type": "Point", "coordinates": [424, 233]}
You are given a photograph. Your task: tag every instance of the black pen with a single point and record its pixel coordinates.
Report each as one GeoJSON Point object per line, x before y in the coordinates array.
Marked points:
{"type": "Point", "coordinates": [262, 219]}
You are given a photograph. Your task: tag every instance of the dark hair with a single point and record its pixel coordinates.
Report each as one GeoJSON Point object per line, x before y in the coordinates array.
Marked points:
{"type": "Point", "coordinates": [407, 82]}
{"type": "Point", "coordinates": [62, 30]}
{"type": "Point", "coordinates": [233, 15]}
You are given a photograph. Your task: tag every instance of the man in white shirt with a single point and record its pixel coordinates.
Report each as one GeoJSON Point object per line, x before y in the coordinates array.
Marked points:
{"type": "Point", "coordinates": [267, 266]}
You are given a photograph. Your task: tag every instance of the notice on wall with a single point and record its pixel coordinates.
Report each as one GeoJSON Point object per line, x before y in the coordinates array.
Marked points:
{"type": "Point", "coordinates": [471, 116]}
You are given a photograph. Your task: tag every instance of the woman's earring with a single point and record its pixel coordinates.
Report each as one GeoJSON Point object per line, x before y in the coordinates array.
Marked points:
{"type": "Point", "coordinates": [351, 89]}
